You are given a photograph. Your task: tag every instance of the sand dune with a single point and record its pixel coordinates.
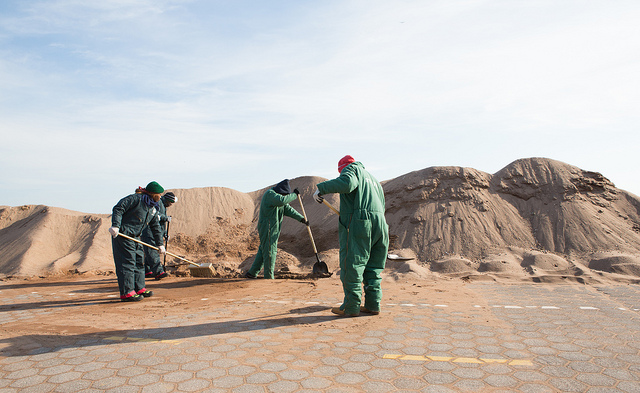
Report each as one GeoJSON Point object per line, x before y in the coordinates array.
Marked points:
{"type": "Point", "coordinates": [536, 219]}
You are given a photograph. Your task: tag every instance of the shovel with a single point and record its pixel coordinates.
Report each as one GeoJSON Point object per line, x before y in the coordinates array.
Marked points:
{"type": "Point", "coordinates": [202, 270]}
{"type": "Point", "coordinates": [320, 268]}
{"type": "Point", "coordinates": [166, 244]}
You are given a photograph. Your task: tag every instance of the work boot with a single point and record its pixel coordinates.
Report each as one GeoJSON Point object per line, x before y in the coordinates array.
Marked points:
{"type": "Point", "coordinates": [148, 275]}
{"type": "Point", "coordinates": [339, 312]}
{"type": "Point", "coordinates": [367, 311]}
{"type": "Point", "coordinates": [134, 298]}
{"type": "Point", "coordinates": [146, 293]}
{"type": "Point", "coordinates": [162, 275]}
{"type": "Point", "coordinates": [249, 275]}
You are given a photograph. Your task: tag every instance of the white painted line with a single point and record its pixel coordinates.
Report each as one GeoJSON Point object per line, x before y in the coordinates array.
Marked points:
{"type": "Point", "coordinates": [205, 298]}
{"type": "Point", "coordinates": [440, 305]}
{"type": "Point", "coordinates": [424, 305]}
{"type": "Point", "coordinates": [531, 306]}
{"type": "Point", "coordinates": [512, 307]}
{"type": "Point", "coordinates": [622, 308]}
{"type": "Point", "coordinates": [588, 308]}
{"type": "Point", "coordinates": [408, 305]}
{"type": "Point", "coordinates": [312, 303]}
{"type": "Point", "coordinates": [550, 308]}
{"type": "Point", "coordinates": [476, 306]}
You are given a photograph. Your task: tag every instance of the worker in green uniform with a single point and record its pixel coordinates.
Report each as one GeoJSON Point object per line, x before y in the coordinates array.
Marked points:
{"type": "Point", "coordinates": [273, 207]}
{"type": "Point", "coordinates": [363, 235]}
{"type": "Point", "coordinates": [131, 215]}
{"type": "Point", "coordinates": [152, 265]}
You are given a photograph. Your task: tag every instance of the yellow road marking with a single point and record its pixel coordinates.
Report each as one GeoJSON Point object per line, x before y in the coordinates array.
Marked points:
{"type": "Point", "coordinates": [517, 362]}
{"type": "Point", "coordinates": [467, 360]}
{"type": "Point", "coordinates": [494, 360]}
{"type": "Point", "coordinates": [440, 358]}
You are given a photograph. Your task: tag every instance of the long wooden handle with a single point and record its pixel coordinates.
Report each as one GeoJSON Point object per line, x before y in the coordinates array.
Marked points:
{"type": "Point", "coordinates": [156, 248]}
{"type": "Point", "coordinates": [330, 207]}
{"type": "Point", "coordinates": [308, 228]}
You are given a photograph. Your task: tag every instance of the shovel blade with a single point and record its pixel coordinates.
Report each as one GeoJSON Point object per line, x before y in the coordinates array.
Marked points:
{"type": "Point", "coordinates": [320, 269]}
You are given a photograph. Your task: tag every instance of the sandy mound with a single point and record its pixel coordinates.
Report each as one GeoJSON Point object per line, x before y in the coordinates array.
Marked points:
{"type": "Point", "coordinates": [616, 263]}
{"type": "Point", "coordinates": [37, 240]}
{"type": "Point", "coordinates": [200, 210]}
{"type": "Point", "coordinates": [536, 219]}
{"type": "Point", "coordinates": [451, 211]}
{"type": "Point", "coordinates": [452, 265]}
{"type": "Point", "coordinates": [537, 260]}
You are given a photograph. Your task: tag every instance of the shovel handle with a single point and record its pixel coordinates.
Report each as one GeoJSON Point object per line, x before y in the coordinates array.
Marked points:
{"type": "Point", "coordinates": [156, 248]}
{"type": "Point", "coordinates": [166, 245]}
{"type": "Point", "coordinates": [308, 228]}
{"type": "Point", "coordinates": [330, 207]}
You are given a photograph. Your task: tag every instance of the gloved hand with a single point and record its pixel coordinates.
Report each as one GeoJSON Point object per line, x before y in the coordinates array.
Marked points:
{"type": "Point", "coordinates": [305, 222]}
{"type": "Point", "coordinates": [114, 231]}
{"type": "Point", "coordinates": [162, 250]}
{"type": "Point", "coordinates": [317, 196]}
{"type": "Point", "coordinates": [296, 191]}
{"type": "Point", "coordinates": [168, 218]}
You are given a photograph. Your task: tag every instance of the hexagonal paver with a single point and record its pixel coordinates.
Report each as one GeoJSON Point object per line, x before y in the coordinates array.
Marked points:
{"type": "Point", "coordinates": [193, 385]}
{"type": "Point", "coordinates": [109, 383]}
{"type": "Point", "coordinates": [230, 381]}
{"type": "Point", "coordinates": [65, 377]}
{"type": "Point", "coordinates": [500, 381]}
{"type": "Point", "coordinates": [144, 379]}
{"type": "Point", "coordinates": [568, 385]}
{"type": "Point", "coordinates": [350, 378]}
{"type": "Point", "coordinates": [439, 378]}
{"type": "Point", "coordinates": [406, 383]}
{"type": "Point", "coordinates": [283, 387]}
{"type": "Point", "coordinates": [178, 376]}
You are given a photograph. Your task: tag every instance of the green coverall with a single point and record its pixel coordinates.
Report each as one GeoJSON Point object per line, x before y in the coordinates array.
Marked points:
{"type": "Point", "coordinates": [132, 215]}
{"type": "Point", "coordinates": [273, 208]}
{"type": "Point", "coordinates": [152, 263]}
{"type": "Point", "coordinates": [364, 236]}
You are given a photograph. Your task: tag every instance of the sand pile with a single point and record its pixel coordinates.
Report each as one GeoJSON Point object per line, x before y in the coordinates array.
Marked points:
{"type": "Point", "coordinates": [39, 240]}
{"type": "Point", "coordinates": [536, 219]}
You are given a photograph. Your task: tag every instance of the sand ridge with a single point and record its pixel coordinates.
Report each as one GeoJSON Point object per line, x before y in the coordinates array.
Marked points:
{"type": "Point", "coordinates": [536, 219]}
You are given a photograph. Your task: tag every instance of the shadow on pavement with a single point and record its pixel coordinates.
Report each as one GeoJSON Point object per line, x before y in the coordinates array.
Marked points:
{"type": "Point", "coordinates": [46, 343]}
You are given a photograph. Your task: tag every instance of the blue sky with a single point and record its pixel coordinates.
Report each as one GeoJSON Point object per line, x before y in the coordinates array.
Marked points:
{"type": "Point", "coordinates": [99, 97]}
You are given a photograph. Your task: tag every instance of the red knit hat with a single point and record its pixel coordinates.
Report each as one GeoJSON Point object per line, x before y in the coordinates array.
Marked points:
{"type": "Point", "coordinates": [344, 161]}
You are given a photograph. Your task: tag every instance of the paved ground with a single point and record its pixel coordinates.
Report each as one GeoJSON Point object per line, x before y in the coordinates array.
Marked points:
{"type": "Point", "coordinates": [488, 337]}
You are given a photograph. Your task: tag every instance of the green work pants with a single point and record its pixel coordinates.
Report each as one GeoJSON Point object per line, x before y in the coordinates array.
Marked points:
{"type": "Point", "coordinates": [129, 260]}
{"type": "Point", "coordinates": [364, 242]}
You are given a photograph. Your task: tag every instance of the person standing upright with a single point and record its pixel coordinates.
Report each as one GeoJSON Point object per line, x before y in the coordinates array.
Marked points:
{"type": "Point", "coordinates": [363, 236]}
{"type": "Point", "coordinates": [131, 215]}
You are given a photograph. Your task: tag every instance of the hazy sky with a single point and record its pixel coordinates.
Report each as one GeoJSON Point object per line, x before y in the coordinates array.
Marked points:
{"type": "Point", "coordinates": [99, 97]}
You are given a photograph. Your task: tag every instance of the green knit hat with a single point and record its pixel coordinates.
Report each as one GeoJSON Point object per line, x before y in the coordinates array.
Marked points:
{"type": "Point", "coordinates": [154, 188]}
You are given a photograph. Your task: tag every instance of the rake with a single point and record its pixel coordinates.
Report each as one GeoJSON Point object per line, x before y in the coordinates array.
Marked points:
{"type": "Point", "coordinates": [202, 270]}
